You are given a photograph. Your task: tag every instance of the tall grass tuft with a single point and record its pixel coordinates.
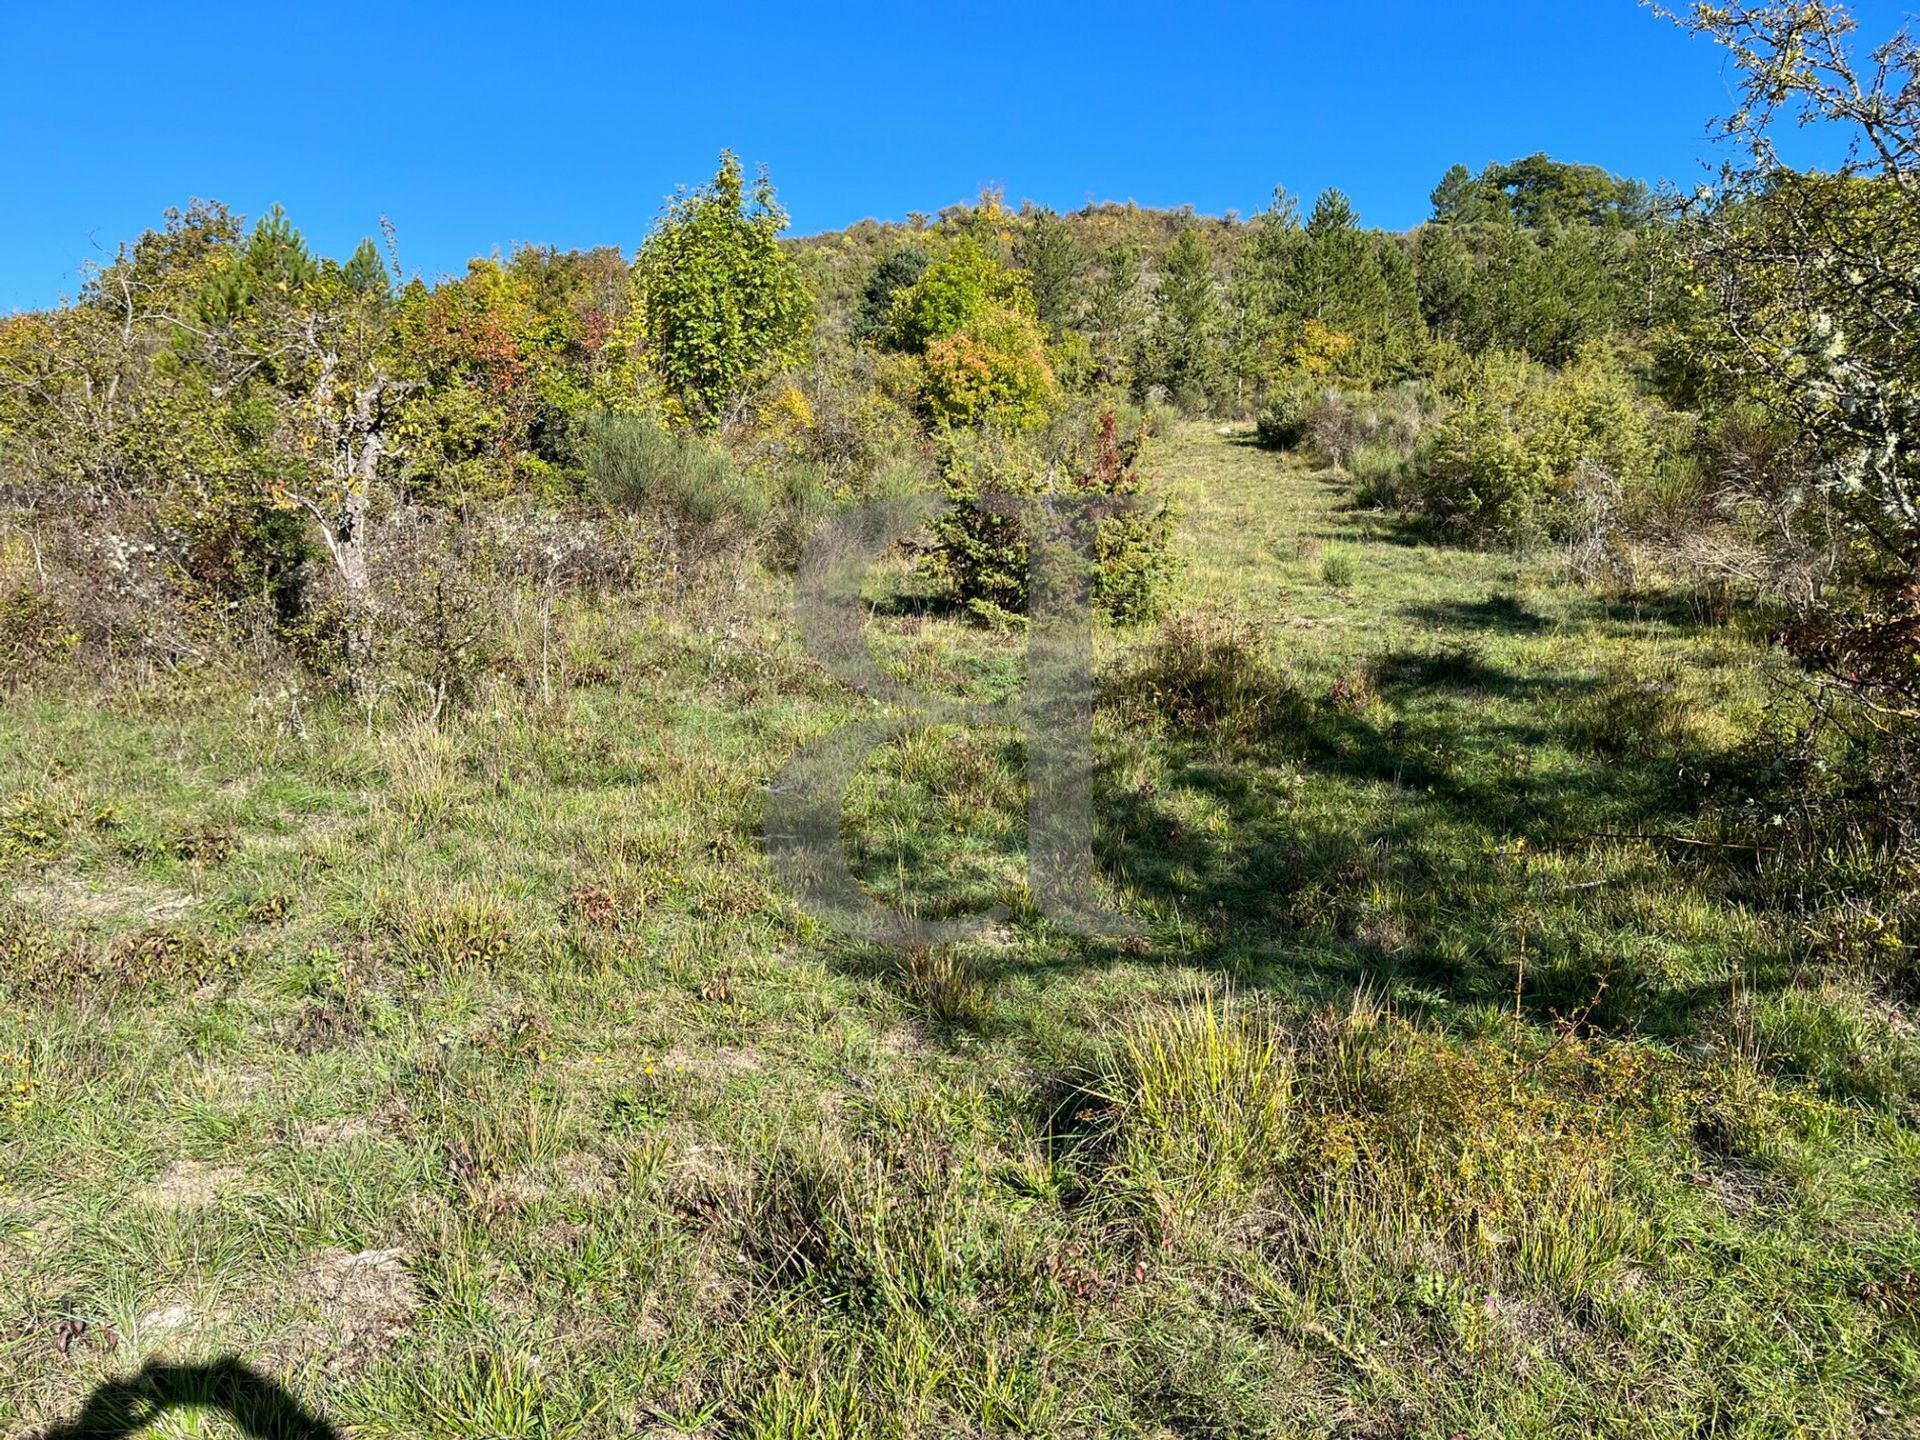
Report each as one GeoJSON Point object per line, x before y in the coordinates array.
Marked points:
{"type": "Point", "coordinates": [1206, 1096]}
{"type": "Point", "coordinates": [945, 986]}
{"type": "Point", "coordinates": [1209, 670]}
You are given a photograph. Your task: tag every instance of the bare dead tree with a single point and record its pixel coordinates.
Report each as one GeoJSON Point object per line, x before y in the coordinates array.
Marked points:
{"type": "Point", "coordinates": [341, 425]}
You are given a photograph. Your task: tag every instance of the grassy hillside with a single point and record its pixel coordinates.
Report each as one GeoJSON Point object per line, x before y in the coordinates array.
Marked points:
{"type": "Point", "coordinates": [477, 1079]}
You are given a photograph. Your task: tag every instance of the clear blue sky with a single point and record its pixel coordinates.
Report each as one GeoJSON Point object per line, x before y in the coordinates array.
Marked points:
{"type": "Point", "coordinates": [478, 125]}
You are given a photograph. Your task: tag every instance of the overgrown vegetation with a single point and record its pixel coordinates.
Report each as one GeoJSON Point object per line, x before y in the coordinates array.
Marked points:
{"type": "Point", "coordinates": [1506, 710]}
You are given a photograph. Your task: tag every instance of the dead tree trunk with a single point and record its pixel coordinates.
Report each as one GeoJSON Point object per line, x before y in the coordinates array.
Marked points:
{"type": "Point", "coordinates": [349, 430]}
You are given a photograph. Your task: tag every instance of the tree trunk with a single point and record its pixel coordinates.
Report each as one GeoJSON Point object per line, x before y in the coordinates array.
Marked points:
{"type": "Point", "coordinates": [361, 460]}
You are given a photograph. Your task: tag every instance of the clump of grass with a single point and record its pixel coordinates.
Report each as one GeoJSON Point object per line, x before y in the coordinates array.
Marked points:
{"type": "Point", "coordinates": [461, 932]}
{"type": "Point", "coordinates": [38, 961]}
{"type": "Point", "coordinates": [1338, 567]}
{"type": "Point", "coordinates": [33, 959]}
{"type": "Point", "coordinates": [1640, 716]}
{"type": "Point", "coordinates": [945, 985]}
{"type": "Point", "coordinates": [19, 1076]}
{"type": "Point", "coordinates": [1363, 1120]}
{"type": "Point", "coordinates": [1835, 1036]}
{"type": "Point", "coordinates": [1210, 670]}
{"type": "Point", "coordinates": [37, 632]}
{"type": "Point", "coordinates": [1354, 690]}
{"type": "Point", "coordinates": [1205, 1096]}
{"type": "Point", "coordinates": [33, 829]}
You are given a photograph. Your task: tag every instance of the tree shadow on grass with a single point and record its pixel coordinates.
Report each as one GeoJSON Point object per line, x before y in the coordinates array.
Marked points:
{"type": "Point", "coordinates": [1676, 612]}
{"type": "Point", "coordinates": [1500, 613]}
{"type": "Point", "coordinates": [1337, 844]}
{"type": "Point", "coordinates": [259, 1406]}
{"type": "Point", "coordinates": [1460, 668]}
{"type": "Point", "coordinates": [1428, 880]}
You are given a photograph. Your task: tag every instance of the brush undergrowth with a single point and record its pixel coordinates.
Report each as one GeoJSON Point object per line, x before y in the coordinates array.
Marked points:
{"type": "Point", "coordinates": [1469, 1076]}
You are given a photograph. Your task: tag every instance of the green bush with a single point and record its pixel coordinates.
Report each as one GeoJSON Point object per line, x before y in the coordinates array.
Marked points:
{"type": "Point", "coordinates": [806, 498]}
{"type": "Point", "coordinates": [953, 292]}
{"type": "Point", "coordinates": [981, 551]}
{"type": "Point", "coordinates": [640, 468]}
{"type": "Point", "coordinates": [993, 370]}
{"type": "Point", "coordinates": [1379, 470]}
{"type": "Point", "coordinates": [35, 630]}
{"type": "Point", "coordinates": [1522, 440]}
{"type": "Point", "coordinates": [1336, 424]}
{"type": "Point", "coordinates": [1282, 421]}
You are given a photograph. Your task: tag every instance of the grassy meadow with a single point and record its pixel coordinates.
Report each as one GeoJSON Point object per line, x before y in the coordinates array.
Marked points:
{"type": "Point", "coordinates": [474, 1078]}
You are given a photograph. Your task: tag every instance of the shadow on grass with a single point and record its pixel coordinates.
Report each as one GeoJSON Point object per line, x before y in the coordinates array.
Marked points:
{"type": "Point", "coordinates": [1336, 844]}
{"type": "Point", "coordinates": [926, 603]}
{"type": "Point", "coordinates": [1458, 668]}
{"type": "Point", "coordinates": [1502, 614]}
{"type": "Point", "coordinates": [259, 1406]}
{"type": "Point", "coordinates": [1675, 611]}
{"type": "Point", "coordinates": [1428, 881]}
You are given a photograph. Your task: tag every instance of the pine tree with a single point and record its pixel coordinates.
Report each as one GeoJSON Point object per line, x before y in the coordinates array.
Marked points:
{"type": "Point", "coordinates": [896, 271]}
{"type": "Point", "coordinates": [364, 274]}
{"type": "Point", "coordinates": [1052, 258]}
{"type": "Point", "coordinates": [1262, 292]}
{"type": "Point", "coordinates": [1186, 335]}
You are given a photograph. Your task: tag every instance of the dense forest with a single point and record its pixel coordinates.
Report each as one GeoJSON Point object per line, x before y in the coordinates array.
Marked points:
{"type": "Point", "coordinates": [1510, 729]}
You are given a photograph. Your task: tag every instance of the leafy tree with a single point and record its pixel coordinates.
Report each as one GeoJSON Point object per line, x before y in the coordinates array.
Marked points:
{"type": "Point", "coordinates": [146, 392]}
{"type": "Point", "coordinates": [470, 345]}
{"type": "Point", "coordinates": [1810, 286]}
{"type": "Point", "coordinates": [993, 369]}
{"type": "Point", "coordinates": [1542, 191]}
{"type": "Point", "coordinates": [1539, 191]}
{"type": "Point", "coordinates": [984, 354]}
{"type": "Point", "coordinates": [509, 365]}
{"type": "Point", "coordinates": [954, 292]}
{"type": "Point", "coordinates": [1536, 255]}
{"type": "Point", "coordinates": [721, 304]}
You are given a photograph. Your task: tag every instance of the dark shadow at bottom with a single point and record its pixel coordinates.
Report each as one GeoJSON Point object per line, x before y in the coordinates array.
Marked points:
{"type": "Point", "coordinates": [258, 1405]}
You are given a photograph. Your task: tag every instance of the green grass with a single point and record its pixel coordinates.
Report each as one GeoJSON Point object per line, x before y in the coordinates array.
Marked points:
{"type": "Point", "coordinates": [480, 1081]}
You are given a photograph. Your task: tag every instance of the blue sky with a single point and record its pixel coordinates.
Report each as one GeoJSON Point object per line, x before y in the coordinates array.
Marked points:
{"type": "Point", "coordinates": [484, 124]}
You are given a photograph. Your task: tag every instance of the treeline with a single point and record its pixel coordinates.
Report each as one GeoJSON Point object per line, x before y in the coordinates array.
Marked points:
{"type": "Point", "coordinates": [1536, 256]}
{"type": "Point", "coordinates": [223, 425]}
